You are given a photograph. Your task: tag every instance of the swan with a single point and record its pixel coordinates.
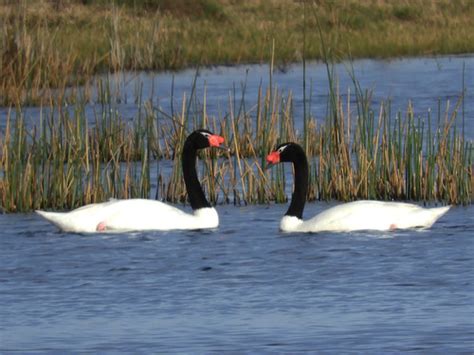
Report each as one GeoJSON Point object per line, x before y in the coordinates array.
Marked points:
{"type": "Point", "coordinates": [352, 216]}
{"type": "Point", "coordinates": [142, 214]}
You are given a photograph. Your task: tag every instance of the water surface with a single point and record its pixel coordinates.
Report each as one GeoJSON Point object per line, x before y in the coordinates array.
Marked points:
{"type": "Point", "coordinates": [242, 287]}
{"type": "Point", "coordinates": [246, 287]}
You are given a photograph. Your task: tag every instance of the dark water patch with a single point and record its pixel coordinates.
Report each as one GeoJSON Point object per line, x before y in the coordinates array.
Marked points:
{"type": "Point", "coordinates": [230, 231]}
{"type": "Point", "coordinates": [119, 269]}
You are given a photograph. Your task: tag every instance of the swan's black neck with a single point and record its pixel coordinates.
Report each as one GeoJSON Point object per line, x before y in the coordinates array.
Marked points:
{"type": "Point", "coordinates": [298, 199]}
{"type": "Point", "coordinates": [193, 187]}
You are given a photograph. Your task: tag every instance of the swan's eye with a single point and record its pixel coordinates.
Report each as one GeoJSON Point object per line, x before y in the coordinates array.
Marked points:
{"type": "Point", "coordinates": [205, 134]}
{"type": "Point", "coordinates": [282, 148]}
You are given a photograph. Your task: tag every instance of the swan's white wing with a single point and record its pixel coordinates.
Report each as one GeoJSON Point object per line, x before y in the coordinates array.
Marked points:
{"type": "Point", "coordinates": [131, 215]}
{"type": "Point", "coordinates": [373, 215]}
{"type": "Point", "coordinates": [138, 214]}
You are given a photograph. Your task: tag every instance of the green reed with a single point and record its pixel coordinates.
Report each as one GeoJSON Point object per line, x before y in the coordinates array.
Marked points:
{"type": "Point", "coordinates": [407, 159]}
{"type": "Point", "coordinates": [63, 159]}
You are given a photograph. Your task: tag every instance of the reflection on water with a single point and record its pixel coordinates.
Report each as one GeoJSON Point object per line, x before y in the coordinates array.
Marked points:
{"type": "Point", "coordinates": [243, 287]}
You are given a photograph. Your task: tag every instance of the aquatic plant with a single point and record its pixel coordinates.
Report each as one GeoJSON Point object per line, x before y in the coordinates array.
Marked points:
{"type": "Point", "coordinates": [64, 159]}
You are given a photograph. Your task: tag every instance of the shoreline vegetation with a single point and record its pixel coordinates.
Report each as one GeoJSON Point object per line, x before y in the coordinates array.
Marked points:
{"type": "Point", "coordinates": [50, 44]}
{"type": "Point", "coordinates": [66, 159]}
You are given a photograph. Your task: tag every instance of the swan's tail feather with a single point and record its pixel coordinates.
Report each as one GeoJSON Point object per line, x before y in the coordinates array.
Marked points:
{"type": "Point", "coordinates": [435, 214]}
{"type": "Point", "coordinates": [56, 218]}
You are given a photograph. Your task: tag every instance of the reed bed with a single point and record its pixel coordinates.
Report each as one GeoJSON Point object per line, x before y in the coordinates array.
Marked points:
{"type": "Point", "coordinates": [64, 159]}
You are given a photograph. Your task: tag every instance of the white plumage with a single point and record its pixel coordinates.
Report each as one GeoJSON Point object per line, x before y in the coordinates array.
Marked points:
{"type": "Point", "coordinates": [141, 214]}
{"type": "Point", "coordinates": [131, 215]}
{"type": "Point", "coordinates": [352, 216]}
{"type": "Point", "coordinates": [366, 215]}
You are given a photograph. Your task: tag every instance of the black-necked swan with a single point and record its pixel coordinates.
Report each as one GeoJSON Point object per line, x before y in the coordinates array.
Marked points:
{"type": "Point", "coordinates": [352, 216]}
{"type": "Point", "coordinates": [142, 214]}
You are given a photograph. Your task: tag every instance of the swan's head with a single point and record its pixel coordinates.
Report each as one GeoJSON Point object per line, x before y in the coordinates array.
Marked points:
{"type": "Point", "coordinates": [285, 152]}
{"type": "Point", "coordinates": [202, 138]}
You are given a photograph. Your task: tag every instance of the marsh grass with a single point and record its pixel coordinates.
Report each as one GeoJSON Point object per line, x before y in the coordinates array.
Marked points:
{"type": "Point", "coordinates": [65, 159]}
{"type": "Point", "coordinates": [49, 45]}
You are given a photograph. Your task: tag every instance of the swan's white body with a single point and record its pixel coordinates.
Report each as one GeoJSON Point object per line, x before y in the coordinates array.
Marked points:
{"type": "Point", "coordinates": [131, 215]}
{"type": "Point", "coordinates": [353, 216]}
{"type": "Point", "coordinates": [366, 215]}
{"type": "Point", "coordinates": [139, 214]}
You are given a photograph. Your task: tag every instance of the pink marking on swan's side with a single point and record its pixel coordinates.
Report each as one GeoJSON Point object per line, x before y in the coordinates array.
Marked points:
{"type": "Point", "coordinates": [101, 227]}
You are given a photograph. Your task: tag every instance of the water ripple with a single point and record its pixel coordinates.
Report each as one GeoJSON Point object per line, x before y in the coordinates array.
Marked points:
{"type": "Point", "coordinates": [237, 289]}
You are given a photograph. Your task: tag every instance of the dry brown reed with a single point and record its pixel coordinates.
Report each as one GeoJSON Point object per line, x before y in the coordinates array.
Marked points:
{"type": "Point", "coordinates": [65, 159]}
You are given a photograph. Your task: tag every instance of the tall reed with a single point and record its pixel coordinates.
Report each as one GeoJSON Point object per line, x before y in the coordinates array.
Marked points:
{"type": "Point", "coordinates": [64, 159]}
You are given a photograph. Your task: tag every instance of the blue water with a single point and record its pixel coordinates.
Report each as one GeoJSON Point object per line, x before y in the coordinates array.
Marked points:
{"type": "Point", "coordinates": [424, 83]}
{"type": "Point", "coordinates": [244, 287]}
